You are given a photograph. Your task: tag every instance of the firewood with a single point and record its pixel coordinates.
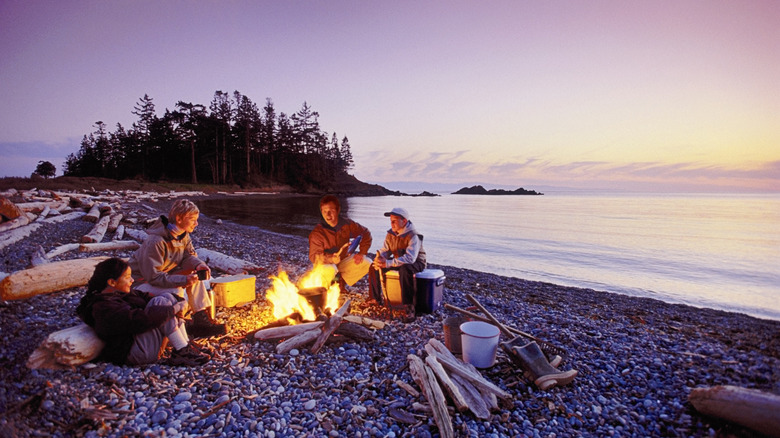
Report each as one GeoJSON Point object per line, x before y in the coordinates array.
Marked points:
{"type": "Point", "coordinates": [97, 232]}
{"type": "Point", "coordinates": [426, 380]}
{"type": "Point", "coordinates": [115, 245]}
{"type": "Point", "coordinates": [354, 331]}
{"type": "Point", "coordinates": [113, 223]}
{"type": "Point", "coordinates": [453, 391]}
{"type": "Point", "coordinates": [757, 410]}
{"type": "Point", "coordinates": [48, 278]}
{"type": "Point", "coordinates": [297, 341]}
{"type": "Point", "coordinates": [137, 235]}
{"type": "Point", "coordinates": [69, 347]}
{"type": "Point", "coordinates": [286, 331]}
{"type": "Point", "coordinates": [408, 388]}
{"type": "Point", "coordinates": [330, 326]}
{"type": "Point", "coordinates": [367, 322]}
{"type": "Point", "coordinates": [455, 365]}
{"type": "Point", "coordinates": [62, 249]}
{"type": "Point", "coordinates": [93, 215]}
{"type": "Point", "coordinates": [226, 263]}
{"type": "Point", "coordinates": [15, 235]}
{"type": "Point", "coordinates": [472, 396]}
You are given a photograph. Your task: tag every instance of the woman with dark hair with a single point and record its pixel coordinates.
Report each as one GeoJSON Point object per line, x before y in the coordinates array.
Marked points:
{"type": "Point", "coordinates": [133, 324]}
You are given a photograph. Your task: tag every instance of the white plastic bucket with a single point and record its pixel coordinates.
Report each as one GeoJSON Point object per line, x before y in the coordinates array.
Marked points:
{"type": "Point", "coordinates": [479, 341]}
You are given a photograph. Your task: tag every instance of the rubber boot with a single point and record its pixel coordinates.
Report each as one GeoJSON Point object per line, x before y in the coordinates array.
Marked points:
{"type": "Point", "coordinates": [202, 326]}
{"type": "Point", "coordinates": [545, 376]}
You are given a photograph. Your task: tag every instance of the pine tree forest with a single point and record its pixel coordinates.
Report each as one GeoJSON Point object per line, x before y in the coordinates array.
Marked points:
{"type": "Point", "coordinates": [233, 141]}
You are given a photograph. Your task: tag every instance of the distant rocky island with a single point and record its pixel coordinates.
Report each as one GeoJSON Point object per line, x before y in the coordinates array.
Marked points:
{"type": "Point", "coordinates": [479, 190]}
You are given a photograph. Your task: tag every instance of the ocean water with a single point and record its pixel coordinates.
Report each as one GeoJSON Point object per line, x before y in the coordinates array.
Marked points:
{"type": "Point", "coordinates": [716, 251]}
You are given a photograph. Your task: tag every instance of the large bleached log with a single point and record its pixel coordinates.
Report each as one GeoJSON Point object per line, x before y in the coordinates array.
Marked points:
{"type": "Point", "coordinates": [426, 380]}
{"type": "Point", "coordinates": [97, 232]}
{"type": "Point", "coordinates": [15, 235]}
{"type": "Point", "coordinates": [14, 223]}
{"type": "Point", "coordinates": [62, 249]}
{"type": "Point", "coordinates": [455, 365]}
{"type": "Point", "coordinates": [37, 207]}
{"type": "Point", "coordinates": [286, 331]}
{"type": "Point", "coordinates": [45, 212]}
{"type": "Point", "coordinates": [114, 245]}
{"type": "Point", "coordinates": [138, 235]}
{"type": "Point", "coordinates": [225, 263]}
{"type": "Point", "coordinates": [66, 217]}
{"type": "Point", "coordinates": [296, 341]}
{"type": "Point", "coordinates": [751, 408]}
{"type": "Point", "coordinates": [65, 348]}
{"type": "Point", "coordinates": [330, 326]}
{"type": "Point", "coordinates": [48, 278]}
{"type": "Point", "coordinates": [94, 213]}
{"type": "Point", "coordinates": [114, 222]}
{"type": "Point", "coordinates": [454, 392]}
{"type": "Point", "coordinates": [119, 233]}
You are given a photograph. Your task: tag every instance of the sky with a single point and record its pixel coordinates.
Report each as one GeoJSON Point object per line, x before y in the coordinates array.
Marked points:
{"type": "Point", "coordinates": [671, 96]}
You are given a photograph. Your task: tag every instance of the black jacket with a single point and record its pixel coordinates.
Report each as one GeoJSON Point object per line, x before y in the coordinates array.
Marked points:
{"type": "Point", "coordinates": [117, 317]}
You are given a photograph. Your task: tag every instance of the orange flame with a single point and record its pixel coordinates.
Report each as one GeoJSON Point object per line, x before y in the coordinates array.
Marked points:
{"type": "Point", "coordinates": [284, 296]}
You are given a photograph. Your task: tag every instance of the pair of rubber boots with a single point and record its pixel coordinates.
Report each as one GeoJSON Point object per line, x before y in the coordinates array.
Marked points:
{"type": "Point", "coordinates": [544, 374]}
{"type": "Point", "coordinates": [203, 326]}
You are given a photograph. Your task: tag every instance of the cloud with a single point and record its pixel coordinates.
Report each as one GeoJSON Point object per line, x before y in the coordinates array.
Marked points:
{"type": "Point", "coordinates": [453, 167]}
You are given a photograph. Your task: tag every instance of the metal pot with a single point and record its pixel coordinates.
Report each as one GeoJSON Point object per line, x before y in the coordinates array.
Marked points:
{"type": "Point", "coordinates": [316, 296]}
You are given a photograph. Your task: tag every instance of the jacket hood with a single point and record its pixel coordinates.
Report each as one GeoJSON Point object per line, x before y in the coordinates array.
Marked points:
{"type": "Point", "coordinates": [409, 228]}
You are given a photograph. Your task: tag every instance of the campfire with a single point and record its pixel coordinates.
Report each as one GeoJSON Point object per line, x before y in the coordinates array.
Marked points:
{"type": "Point", "coordinates": [314, 294]}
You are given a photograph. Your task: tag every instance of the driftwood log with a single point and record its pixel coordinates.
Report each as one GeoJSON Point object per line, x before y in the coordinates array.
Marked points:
{"type": "Point", "coordinates": [119, 233]}
{"type": "Point", "coordinates": [8, 209]}
{"type": "Point", "coordinates": [286, 331]}
{"type": "Point", "coordinates": [10, 237]}
{"type": "Point", "coordinates": [426, 380]}
{"type": "Point", "coordinates": [65, 217]}
{"type": "Point", "coordinates": [114, 245]}
{"type": "Point", "coordinates": [330, 326]}
{"type": "Point", "coordinates": [113, 223]}
{"type": "Point", "coordinates": [751, 408]}
{"type": "Point", "coordinates": [48, 278]}
{"type": "Point", "coordinates": [93, 215]}
{"type": "Point", "coordinates": [138, 235]}
{"type": "Point", "coordinates": [65, 348]}
{"type": "Point", "coordinates": [16, 222]}
{"type": "Point", "coordinates": [62, 249]}
{"type": "Point", "coordinates": [97, 232]}
{"type": "Point", "coordinates": [225, 263]}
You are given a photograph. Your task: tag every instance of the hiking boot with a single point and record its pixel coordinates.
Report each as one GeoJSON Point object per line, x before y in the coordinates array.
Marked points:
{"type": "Point", "coordinates": [202, 326]}
{"type": "Point", "coordinates": [188, 357]}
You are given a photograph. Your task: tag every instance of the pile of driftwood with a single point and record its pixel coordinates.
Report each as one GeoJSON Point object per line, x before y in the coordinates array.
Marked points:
{"type": "Point", "coordinates": [443, 376]}
{"type": "Point", "coordinates": [333, 328]}
{"type": "Point", "coordinates": [120, 213]}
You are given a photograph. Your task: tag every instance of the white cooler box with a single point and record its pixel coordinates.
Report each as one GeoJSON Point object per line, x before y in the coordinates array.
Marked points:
{"type": "Point", "coordinates": [232, 290]}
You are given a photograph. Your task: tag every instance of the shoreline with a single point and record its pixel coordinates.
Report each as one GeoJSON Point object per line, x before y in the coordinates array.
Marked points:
{"type": "Point", "coordinates": [638, 359]}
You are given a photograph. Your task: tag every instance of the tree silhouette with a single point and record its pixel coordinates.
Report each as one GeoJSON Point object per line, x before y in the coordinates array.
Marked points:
{"type": "Point", "coordinates": [45, 169]}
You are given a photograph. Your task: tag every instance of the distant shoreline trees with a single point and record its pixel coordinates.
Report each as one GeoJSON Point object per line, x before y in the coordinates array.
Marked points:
{"type": "Point", "coordinates": [232, 142]}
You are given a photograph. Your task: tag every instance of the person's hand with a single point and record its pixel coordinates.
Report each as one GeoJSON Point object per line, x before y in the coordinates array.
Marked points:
{"type": "Point", "coordinates": [180, 309]}
{"type": "Point", "coordinates": [192, 279]}
{"type": "Point", "coordinates": [358, 258]}
{"type": "Point", "coordinates": [335, 258]}
{"type": "Point", "coordinates": [204, 267]}
{"type": "Point", "coordinates": [380, 262]}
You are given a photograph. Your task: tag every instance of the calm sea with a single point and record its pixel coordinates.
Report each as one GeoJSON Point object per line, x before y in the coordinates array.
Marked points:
{"type": "Point", "coordinates": [716, 251]}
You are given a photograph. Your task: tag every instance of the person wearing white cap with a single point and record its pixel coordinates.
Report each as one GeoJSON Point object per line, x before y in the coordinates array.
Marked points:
{"type": "Point", "coordinates": [402, 250]}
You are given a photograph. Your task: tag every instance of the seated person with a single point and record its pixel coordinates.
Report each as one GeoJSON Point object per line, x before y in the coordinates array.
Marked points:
{"type": "Point", "coordinates": [328, 241]}
{"type": "Point", "coordinates": [166, 263]}
{"type": "Point", "coordinates": [134, 325]}
{"type": "Point", "coordinates": [402, 250]}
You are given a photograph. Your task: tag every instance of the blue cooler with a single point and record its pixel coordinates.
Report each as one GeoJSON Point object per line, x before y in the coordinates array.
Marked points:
{"type": "Point", "coordinates": [430, 288]}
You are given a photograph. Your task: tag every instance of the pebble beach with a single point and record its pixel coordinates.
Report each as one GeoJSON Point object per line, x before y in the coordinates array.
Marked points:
{"type": "Point", "coordinates": [638, 360]}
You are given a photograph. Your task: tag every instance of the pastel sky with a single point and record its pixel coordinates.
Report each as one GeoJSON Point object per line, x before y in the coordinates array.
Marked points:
{"type": "Point", "coordinates": [634, 95]}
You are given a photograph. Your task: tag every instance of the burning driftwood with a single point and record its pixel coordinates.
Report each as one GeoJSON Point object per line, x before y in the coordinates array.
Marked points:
{"type": "Point", "coordinates": [317, 332]}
